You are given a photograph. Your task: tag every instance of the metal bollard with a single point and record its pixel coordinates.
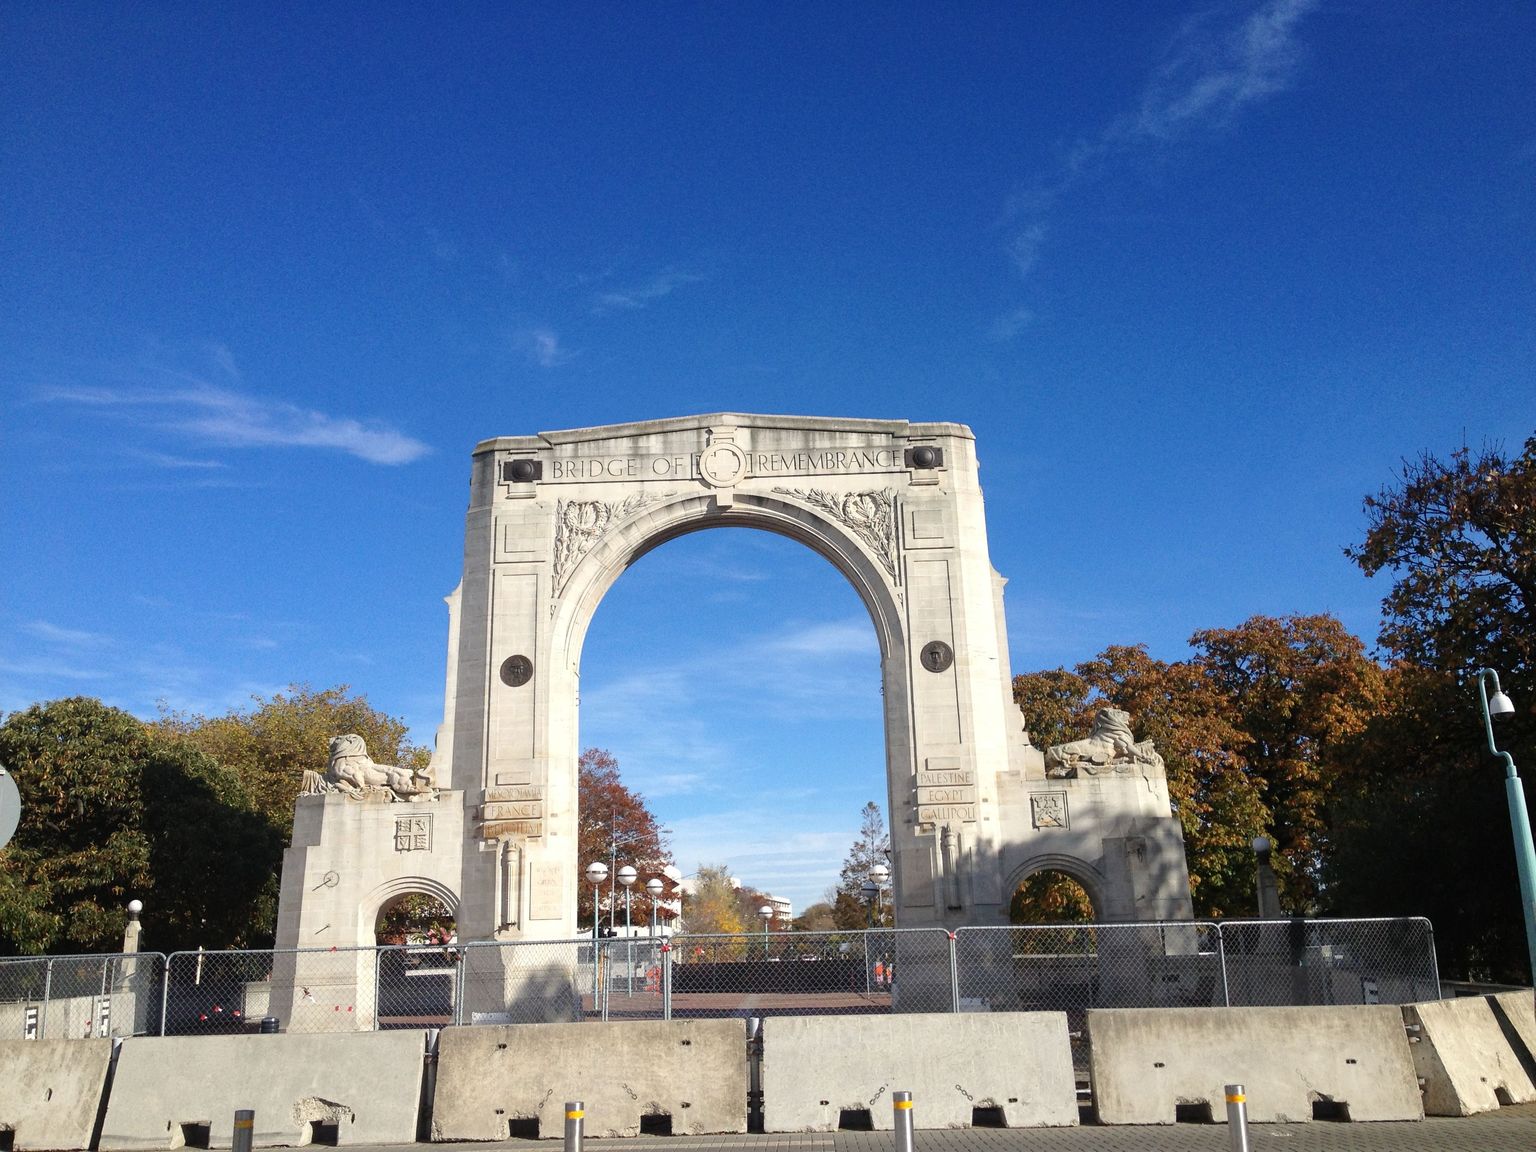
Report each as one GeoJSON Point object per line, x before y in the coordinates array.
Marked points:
{"type": "Point", "coordinates": [901, 1102]}
{"type": "Point", "coordinates": [575, 1117]}
{"type": "Point", "coordinates": [245, 1121]}
{"type": "Point", "coordinates": [1237, 1118]}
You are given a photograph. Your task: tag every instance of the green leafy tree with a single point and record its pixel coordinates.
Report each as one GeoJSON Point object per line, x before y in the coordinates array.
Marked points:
{"type": "Point", "coordinates": [712, 906]}
{"type": "Point", "coordinates": [113, 810]}
{"type": "Point", "coordinates": [1050, 898]}
{"type": "Point", "coordinates": [870, 847]}
{"type": "Point", "coordinates": [272, 744]}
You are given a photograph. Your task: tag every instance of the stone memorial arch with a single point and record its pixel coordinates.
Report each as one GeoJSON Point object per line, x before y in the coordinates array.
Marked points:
{"type": "Point", "coordinates": [896, 507]}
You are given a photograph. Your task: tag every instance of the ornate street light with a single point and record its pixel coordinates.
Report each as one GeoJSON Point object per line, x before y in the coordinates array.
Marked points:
{"type": "Point", "coordinates": [627, 877]}
{"type": "Point", "coordinates": [1520, 821]}
{"type": "Point", "coordinates": [655, 887]}
{"type": "Point", "coordinates": [597, 872]}
{"type": "Point", "coordinates": [766, 912]}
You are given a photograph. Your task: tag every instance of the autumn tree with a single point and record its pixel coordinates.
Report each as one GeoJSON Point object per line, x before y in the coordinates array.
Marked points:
{"type": "Point", "coordinates": [614, 827]}
{"type": "Point", "coordinates": [1423, 826]}
{"type": "Point", "coordinates": [113, 810]}
{"type": "Point", "coordinates": [1050, 897]}
{"type": "Point", "coordinates": [712, 906]}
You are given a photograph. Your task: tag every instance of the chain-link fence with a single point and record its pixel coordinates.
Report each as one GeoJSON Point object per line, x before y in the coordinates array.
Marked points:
{"type": "Point", "coordinates": [80, 997]}
{"type": "Point", "coordinates": [1062, 967]}
{"type": "Point", "coordinates": [1330, 961]}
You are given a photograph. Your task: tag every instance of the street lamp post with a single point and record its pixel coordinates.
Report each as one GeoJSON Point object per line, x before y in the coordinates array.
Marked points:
{"type": "Point", "coordinates": [1264, 879]}
{"type": "Point", "coordinates": [655, 887]}
{"type": "Point", "coordinates": [1519, 819]}
{"type": "Point", "coordinates": [597, 872]}
{"type": "Point", "coordinates": [627, 877]}
{"type": "Point", "coordinates": [766, 912]}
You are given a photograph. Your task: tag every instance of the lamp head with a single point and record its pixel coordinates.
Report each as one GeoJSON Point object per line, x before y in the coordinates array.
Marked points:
{"type": "Point", "coordinates": [134, 908]}
{"type": "Point", "coordinates": [1262, 848]}
{"type": "Point", "coordinates": [766, 912]}
{"type": "Point", "coordinates": [627, 875]}
{"type": "Point", "coordinates": [597, 872]}
{"type": "Point", "coordinates": [879, 873]}
{"type": "Point", "coordinates": [1500, 705]}
{"type": "Point", "coordinates": [654, 886]}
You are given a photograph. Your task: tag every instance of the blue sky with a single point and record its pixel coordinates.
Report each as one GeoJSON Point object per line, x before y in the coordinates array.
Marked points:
{"type": "Point", "coordinates": [1199, 278]}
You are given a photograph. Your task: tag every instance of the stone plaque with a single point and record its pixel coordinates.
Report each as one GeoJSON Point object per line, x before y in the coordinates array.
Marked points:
{"type": "Point", "coordinates": [505, 792]}
{"type": "Point", "coordinates": [946, 795]}
{"type": "Point", "coordinates": [513, 810]}
{"type": "Point", "coordinates": [943, 813]}
{"type": "Point", "coordinates": [413, 833]}
{"type": "Point", "coordinates": [516, 671]}
{"type": "Point", "coordinates": [1049, 810]}
{"type": "Point", "coordinates": [937, 656]}
{"type": "Point", "coordinates": [546, 890]}
{"type": "Point", "coordinates": [945, 777]}
{"type": "Point", "coordinates": [500, 828]}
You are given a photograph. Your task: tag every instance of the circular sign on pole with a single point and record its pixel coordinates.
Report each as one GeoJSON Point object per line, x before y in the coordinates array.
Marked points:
{"type": "Point", "coordinates": [10, 807]}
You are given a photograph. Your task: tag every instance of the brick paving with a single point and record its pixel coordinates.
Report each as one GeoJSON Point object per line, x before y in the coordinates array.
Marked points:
{"type": "Point", "coordinates": [1504, 1130]}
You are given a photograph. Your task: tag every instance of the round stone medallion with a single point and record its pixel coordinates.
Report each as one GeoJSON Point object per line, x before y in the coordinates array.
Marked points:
{"type": "Point", "coordinates": [937, 656]}
{"type": "Point", "coordinates": [516, 671]}
{"type": "Point", "coordinates": [722, 465]}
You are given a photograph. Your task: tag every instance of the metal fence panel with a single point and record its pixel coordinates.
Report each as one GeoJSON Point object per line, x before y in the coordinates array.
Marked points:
{"type": "Point", "coordinates": [1278, 962]}
{"type": "Point", "coordinates": [80, 997]}
{"type": "Point", "coordinates": [811, 973]}
{"type": "Point", "coordinates": [1073, 967]}
{"type": "Point", "coordinates": [529, 982]}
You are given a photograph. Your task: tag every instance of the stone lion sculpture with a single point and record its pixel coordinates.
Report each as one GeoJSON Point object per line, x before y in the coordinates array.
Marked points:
{"type": "Point", "coordinates": [352, 772]}
{"type": "Point", "coordinates": [1110, 747]}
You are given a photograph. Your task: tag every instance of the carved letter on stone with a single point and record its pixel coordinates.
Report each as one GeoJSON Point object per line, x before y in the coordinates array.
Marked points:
{"type": "Point", "coordinates": [872, 515]}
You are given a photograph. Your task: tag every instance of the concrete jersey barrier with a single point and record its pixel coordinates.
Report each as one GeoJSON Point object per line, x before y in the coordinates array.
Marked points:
{"type": "Point", "coordinates": [1352, 1060]}
{"type": "Point", "coordinates": [816, 1067]}
{"type": "Point", "coordinates": [1464, 1058]}
{"type": "Point", "coordinates": [1518, 1009]}
{"type": "Point", "coordinates": [50, 1091]}
{"type": "Point", "coordinates": [497, 1081]}
{"type": "Point", "coordinates": [360, 1087]}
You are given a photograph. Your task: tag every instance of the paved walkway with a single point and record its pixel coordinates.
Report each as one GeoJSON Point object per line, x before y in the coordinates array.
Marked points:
{"type": "Point", "coordinates": [1505, 1130]}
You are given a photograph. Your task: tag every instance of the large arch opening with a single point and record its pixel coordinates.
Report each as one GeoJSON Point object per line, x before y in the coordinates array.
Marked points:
{"type": "Point", "coordinates": [736, 676]}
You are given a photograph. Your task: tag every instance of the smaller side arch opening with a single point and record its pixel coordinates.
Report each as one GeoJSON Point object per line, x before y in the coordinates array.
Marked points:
{"type": "Point", "coordinates": [416, 929]}
{"type": "Point", "coordinates": [1051, 896]}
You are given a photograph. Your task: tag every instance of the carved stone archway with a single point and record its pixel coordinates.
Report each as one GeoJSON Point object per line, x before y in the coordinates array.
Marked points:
{"type": "Point", "coordinates": [896, 507]}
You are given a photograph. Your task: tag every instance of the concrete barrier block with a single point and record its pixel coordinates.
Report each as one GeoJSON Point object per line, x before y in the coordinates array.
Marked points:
{"type": "Point", "coordinates": [496, 1081]}
{"type": "Point", "coordinates": [1353, 1061]}
{"type": "Point", "coordinates": [1020, 1063]}
{"type": "Point", "coordinates": [1464, 1059]}
{"type": "Point", "coordinates": [362, 1087]}
{"type": "Point", "coordinates": [1518, 1009]}
{"type": "Point", "coordinates": [50, 1091]}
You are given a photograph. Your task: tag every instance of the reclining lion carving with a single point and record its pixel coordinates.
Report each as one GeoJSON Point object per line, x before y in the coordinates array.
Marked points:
{"type": "Point", "coordinates": [352, 772]}
{"type": "Point", "coordinates": [1110, 747]}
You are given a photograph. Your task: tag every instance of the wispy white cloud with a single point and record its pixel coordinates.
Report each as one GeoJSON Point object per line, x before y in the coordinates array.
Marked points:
{"type": "Point", "coordinates": [212, 414]}
{"type": "Point", "coordinates": [642, 296]}
{"type": "Point", "coordinates": [167, 460]}
{"type": "Point", "coordinates": [64, 637]}
{"type": "Point", "coordinates": [1219, 62]}
{"type": "Point", "coordinates": [542, 346]}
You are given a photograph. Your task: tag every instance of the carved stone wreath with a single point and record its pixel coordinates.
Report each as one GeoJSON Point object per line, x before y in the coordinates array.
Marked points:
{"type": "Point", "coordinates": [579, 524]}
{"type": "Point", "coordinates": [871, 515]}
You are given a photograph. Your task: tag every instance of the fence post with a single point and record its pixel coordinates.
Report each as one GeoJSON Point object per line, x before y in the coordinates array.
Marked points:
{"type": "Point", "coordinates": [575, 1114]}
{"type": "Point", "coordinates": [42, 1027]}
{"type": "Point", "coordinates": [666, 981]}
{"type": "Point", "coordinates": [1237, 1118]}
{"type": "Point", "coordinates": [954, 974]}
{"type": "Point", "coordinates": [458, 982]}
{"type": "Point", "coordinates": [1221, 956]}
{"type": "Point", "coordinates": [378, 980]}
{"type": "Point", "coordinates": [901, 1104]}
{"type": "Point", "coordinates": [165, 990]}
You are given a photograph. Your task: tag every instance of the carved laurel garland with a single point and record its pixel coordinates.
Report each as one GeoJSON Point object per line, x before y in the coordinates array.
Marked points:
{"type": "Point", "coordinates": [871, 514]}
{"type": "Point", "coordinates": [579, 524]}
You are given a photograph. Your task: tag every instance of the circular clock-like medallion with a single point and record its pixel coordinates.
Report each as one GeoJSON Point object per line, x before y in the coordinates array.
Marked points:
{"type": "Point", "coordinates": [721, 465]}
{"type": "Point", "coordinates": [516, 671]}
{"type": "Point", "coordinates": [937, 656]}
